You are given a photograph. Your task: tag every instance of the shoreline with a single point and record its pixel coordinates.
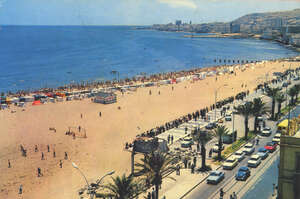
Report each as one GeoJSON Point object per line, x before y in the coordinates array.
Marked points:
{"type": "Point", "coordinates": [103, 150]}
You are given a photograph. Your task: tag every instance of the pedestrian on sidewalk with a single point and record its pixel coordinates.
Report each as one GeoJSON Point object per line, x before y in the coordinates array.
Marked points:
{"type": "Point", "coordinates": [231, 197]}
{"type": "Point", "coordinates": [153, 195]}
{"type": "Point", "coordinates": [257, 141]}
{"type": "Point", "coordinates": [192, 168]}
{"type": "Point", "coordinates": [234, 195]}
{"type": "Point", "coordinates": [195, 160]}
{"type": "Point", "coordinates": [169, 137]}
{"type": "Point", "coordinates": [149, 195]}
{"type": "Point", "coordinates": [222, 193]}
{"type": "Point", "coordinates": [172, 138]}
{"type": "Point", "coordinates": [178, 170]}
{"type": "Point", "coordinates": [210, 153]}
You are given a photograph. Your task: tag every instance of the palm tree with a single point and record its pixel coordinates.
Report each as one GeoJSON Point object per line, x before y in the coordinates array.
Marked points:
{"type": "Point", "coordinates": [156, 166]}
{"type": "Point", "coordinates": [259, 108]}
{"type": "Point", "coordinates": [272, 93]}
{"type": "Point", "coordinates": [220, 131]}
{"type": "Point", "coordinates": [202, 137]}
{"type": "Point", "coordinates": [280, 98]}
{"type": "Point", "coordinates": [292, 92]}
{"type": "Point", "coordinates": [245, 110]}
{"type": "Point", "coordinates": [123, 187]}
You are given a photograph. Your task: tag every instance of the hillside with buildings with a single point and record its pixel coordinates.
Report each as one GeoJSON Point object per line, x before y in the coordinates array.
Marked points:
{"type": "Point", "coordinates": [280, 26]}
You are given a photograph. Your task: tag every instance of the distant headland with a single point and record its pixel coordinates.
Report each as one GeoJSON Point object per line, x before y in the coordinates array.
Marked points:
{"type": "Point", "coordinates": [283, 27]}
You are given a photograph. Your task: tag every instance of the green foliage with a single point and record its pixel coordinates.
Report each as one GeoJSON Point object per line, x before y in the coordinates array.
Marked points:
{"type": "Point", "coordinates": [123, 187]}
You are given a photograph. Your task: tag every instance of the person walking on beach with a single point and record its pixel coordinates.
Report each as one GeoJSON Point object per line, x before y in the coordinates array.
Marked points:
{"type": "Point", "coordinates": [21, 189]}
{"type": "Point", "coordinates": [54, 154]}
{"type": "Point", "coordinates": [99, 114]}
{"type": "Point", "coordinates": [42, 158]}
{"type": "Point", "coordinates": [60, 163]}
{"type": "Point", "coordinates": [150, 92]}
{"type": "Point", "coordinates": [39, 172]}
{"type": "Point", "coordinates": [9, 166]}
{"type": "Point", "coordinates": [48, 148]}
{"type": "Point", "coordinates": [81, 115]}
{"type": "Point", "coordinates": [66, 156]}
{"type": "Point", "coordinates": [79, 128]}
{"type": "Point", "coordinates": [36, 148]}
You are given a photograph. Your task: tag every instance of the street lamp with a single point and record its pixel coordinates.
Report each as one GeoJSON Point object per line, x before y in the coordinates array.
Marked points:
{"type": "Point", "coordinates": [90, 192]}
{"type": "Point", "coordinates": [216, 100]}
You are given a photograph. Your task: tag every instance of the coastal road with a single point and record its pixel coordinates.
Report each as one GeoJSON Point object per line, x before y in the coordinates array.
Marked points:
{"type": "Point", "coordinates": [206, 191]}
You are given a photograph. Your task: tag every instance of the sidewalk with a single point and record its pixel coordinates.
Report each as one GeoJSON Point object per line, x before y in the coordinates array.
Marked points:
{"type": "Point", "coordinates": [184, 183]}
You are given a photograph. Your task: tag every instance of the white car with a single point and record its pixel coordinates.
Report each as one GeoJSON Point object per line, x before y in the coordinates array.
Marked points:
{"type": "Point", "coordinates": [230, 163]}
{"type": "Point", "coordinates": [239, 155]}
{"type": "Point", "coordinates": [248, 148]}
{"type": "Point", "coordinates": [216, 148]}
{"type": "Point", "coordinates": [276, 138]}
{"type": "Point", "coordinates": [266, 131]}
{"type": "Point", "coordinates": [254, 161]}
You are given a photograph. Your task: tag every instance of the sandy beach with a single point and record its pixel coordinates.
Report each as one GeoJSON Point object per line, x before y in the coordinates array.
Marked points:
{"type": "Point", "coordinates": [103, 149]}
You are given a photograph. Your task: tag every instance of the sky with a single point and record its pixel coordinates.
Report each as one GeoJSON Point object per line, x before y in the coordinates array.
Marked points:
{"type": "Point", "coordinates": [132, 12]}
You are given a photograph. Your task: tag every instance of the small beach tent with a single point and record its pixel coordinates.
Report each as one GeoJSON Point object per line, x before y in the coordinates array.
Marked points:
{"type": "Point", "coordinates": [283, 125]}
{"type": "Point", "coordinates": [59, 99]}
{"type": "Point", "coordinates": [105, 98]}
{"type": "Point", "coordinates": [4, 106]}
{"type": "Point", "coordinates": [36, 102]}
{"type": "Point", "coordinates": [29, 98]}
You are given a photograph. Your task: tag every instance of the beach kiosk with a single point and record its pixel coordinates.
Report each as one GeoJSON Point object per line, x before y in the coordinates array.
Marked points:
{"type": "Point", "coordinates": [105, 98]}
{"type": "Point", "coordinates": [283, 125]}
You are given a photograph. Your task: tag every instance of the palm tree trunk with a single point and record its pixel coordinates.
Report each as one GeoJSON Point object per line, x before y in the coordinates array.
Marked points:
{"type": "Point", "coordinates": [156, 190]}
{"type": "Point", "coordinates": [246, 128]}
{"type": "Point", "coordinates": [220, 148]}
{"type": "Point", "coordinates": [278, 111]}
{"type": "Point", "coordinates": [203, 154]}
{"type": "Point", "coordinates": [273, 108]}
{"type": "Point", "coordinates": [255, 124]}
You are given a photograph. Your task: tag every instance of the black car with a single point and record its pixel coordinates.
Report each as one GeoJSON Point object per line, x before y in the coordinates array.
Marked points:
{"type": "Point", "coordinates": [243, 173]}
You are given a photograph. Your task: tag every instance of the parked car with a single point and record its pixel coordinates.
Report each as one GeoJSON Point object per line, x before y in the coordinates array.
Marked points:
{"type": "Point", "coordinates": [254, 161]}
{"type": "Point", "coordinates": [216, 148]}
{"type": "Point", "coordinates": [266, 131]}
{"type": "Point", "coordinates": [285, 84]}
{"type": "Point", "coordinates": [263, 153]}
{"type": "Point", "coordinates": [228, 116]}
{"type": "Point", "coordinates": [260, 119]}
{"type": "Point", "coordinates": [230, 163]}
{"type": "Point", "coordinates": [211, 125]}
{"type": "Point", "coordinates": [215, 177]}
{"type": "Point", "coordinates": [271, 146]}
{"type": "Point", "coordinates": [243, 173]}
{"type": "Point", "coordinates": [239, 155]}
{"type": "Point", "coordinates": [276, 138]}
{"type": "Point", "coordinates": [248, 149]}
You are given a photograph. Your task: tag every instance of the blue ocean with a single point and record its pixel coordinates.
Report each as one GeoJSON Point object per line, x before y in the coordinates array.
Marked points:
{"type": "Point", "coordinates": [32, 57]}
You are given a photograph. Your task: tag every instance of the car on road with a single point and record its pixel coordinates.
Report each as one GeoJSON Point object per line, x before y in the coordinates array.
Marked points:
{"type": "Point", "coordinates": [266, 131]}
{"type": "Point", "coordinates": [187, 142]}
{"type": "Point", "coordinates": [216, 148]}
{"type": "Point", "coordinates": [215, 177]}
{"type": "Point", "coordinates": [276, 138]}
{"type": "Point", "coordinates": [248, 149]}
{"type": "Point", "coordinates": [254, 161]}
{"type": "Point", "coordinates": [243, 173]}
{"type": "Point", "coordinates": [211, 125]}
{"type": "Point", "coordinates": [230, 163]}
{"type": "Point", "coordinates": [228, 116]}
{"type": "Point", "coordinates": [262, 153]}
{"type": "Point", "coordinates": [239, 155]}
{"type": "Point", "coordinates": [271, 146]}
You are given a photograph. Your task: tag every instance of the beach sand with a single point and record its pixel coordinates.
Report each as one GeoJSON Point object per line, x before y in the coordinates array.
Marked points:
{"type": "Point", "coordinates": [103, 149]}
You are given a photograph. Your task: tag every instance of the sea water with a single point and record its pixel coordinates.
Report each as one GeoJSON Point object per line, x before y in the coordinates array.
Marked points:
{"type": "Point", "coordinates": [32, 57]}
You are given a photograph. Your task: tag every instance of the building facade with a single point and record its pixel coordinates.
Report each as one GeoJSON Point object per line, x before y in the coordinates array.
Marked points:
{"type": "Point", "coordinates": [289, 167]}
